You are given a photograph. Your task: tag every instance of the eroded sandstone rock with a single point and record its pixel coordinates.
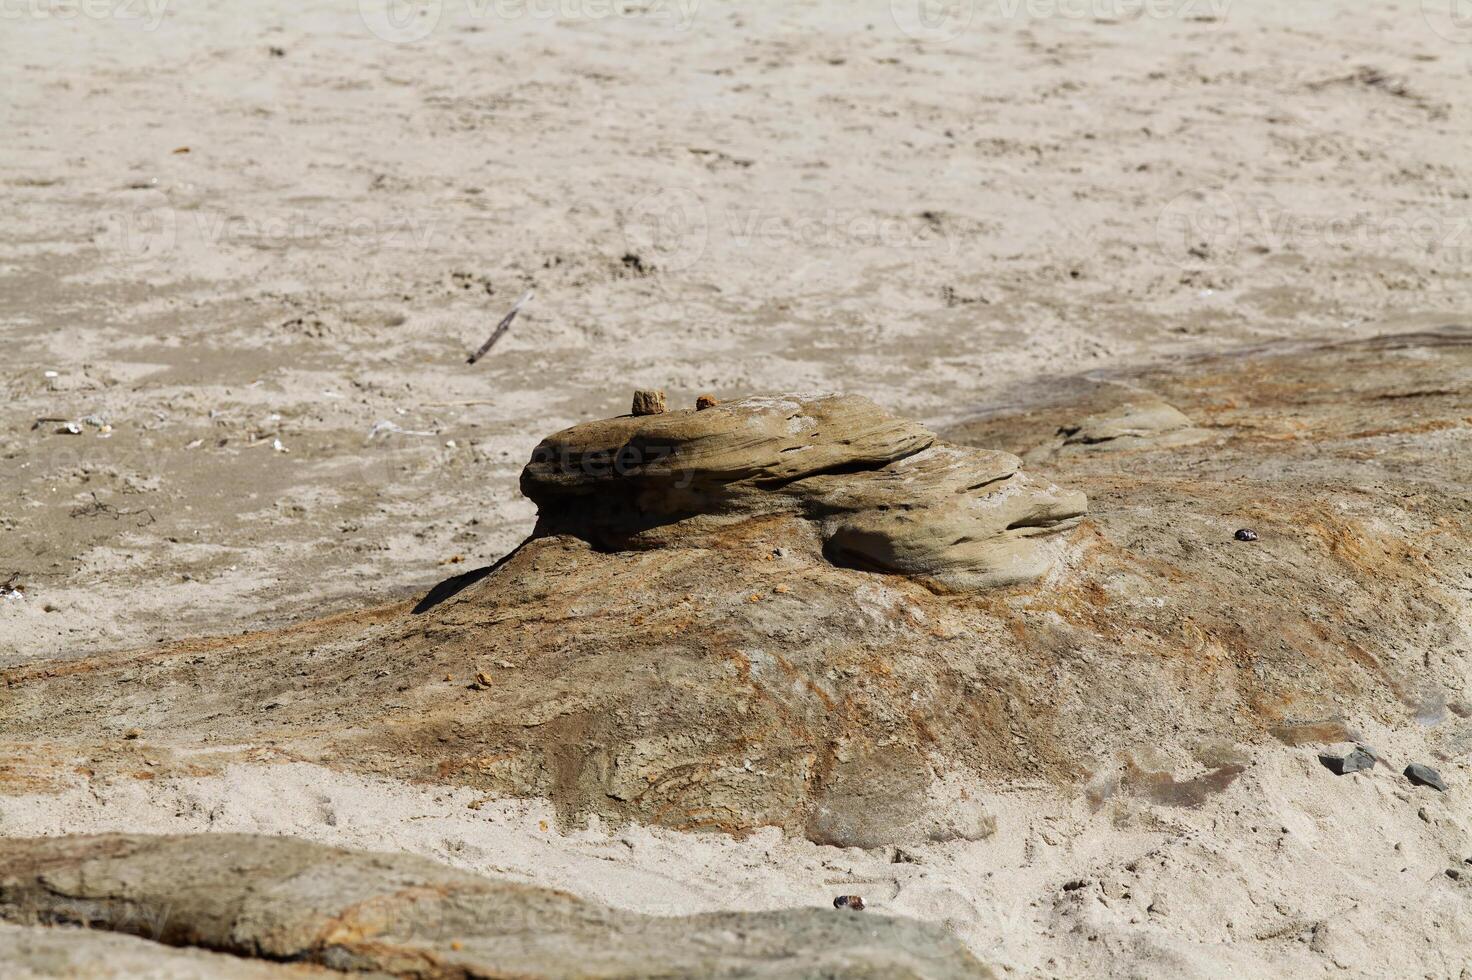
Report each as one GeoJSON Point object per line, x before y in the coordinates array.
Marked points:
{"type": "Point", "coordinates": [730, 458]}
{"type": "Point", "coordinates": [881, 492]}
{"type": "Point", "coordinates": [960, 517]}
{"type": "Point", "coordinates": [284, 900]}
{"type": "Point", "coordinates": [1134, 424]}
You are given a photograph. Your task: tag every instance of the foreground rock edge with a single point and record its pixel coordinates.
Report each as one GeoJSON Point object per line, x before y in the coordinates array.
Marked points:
{"type": "Point", "coordinates": [289, 901]}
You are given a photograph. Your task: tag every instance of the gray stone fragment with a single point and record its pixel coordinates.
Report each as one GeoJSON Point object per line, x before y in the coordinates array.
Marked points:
{"type": "Point", "coordinates": [1425, 776]}
{"type": "Point", "coordinates": [1356, 760]}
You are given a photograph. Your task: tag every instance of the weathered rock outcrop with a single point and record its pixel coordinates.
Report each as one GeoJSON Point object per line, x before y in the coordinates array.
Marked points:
{"type": "Point", "coordinates": [710, 667]}
{"type": "Point", "coordinates": [880, 492]}
{"type": "Point", "coordinates": [1137, 423]}
{"type": "Point", "coordinates": [280, 900]}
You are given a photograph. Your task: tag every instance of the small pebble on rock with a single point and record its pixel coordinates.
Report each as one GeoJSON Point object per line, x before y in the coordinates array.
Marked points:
{"type": "Point", "coordinates": [851, 902]}
{"type": "Point", "coordinates": [1245, 534]}
{"type": "Point", "coordinates": [704, 402]}
{"type": "Point", "coordinates": [649, 402]}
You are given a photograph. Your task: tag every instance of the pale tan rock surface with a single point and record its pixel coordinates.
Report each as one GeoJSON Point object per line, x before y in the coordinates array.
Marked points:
{"type": "Point", "coordinates": [716, 460]}
{"type": "Point", "coordinates": [275, 899]}
{"type": "Point", "coordinates": [1134, 424]}
{"type": "Point", "coordinates": [955, 518]}
{"type": "Point", "coordinates": [77, 953]}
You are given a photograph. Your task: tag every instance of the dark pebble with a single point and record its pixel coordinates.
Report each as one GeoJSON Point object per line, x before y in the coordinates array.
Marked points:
{"type": "Point", "coordinates": [1245, 534]}
{"type": "Point", "coordinates": [1342, 765]}
{"type": "Point", "coordinates": [852, 902]}
{"type": "Point", "coordinates": [1425, 776]}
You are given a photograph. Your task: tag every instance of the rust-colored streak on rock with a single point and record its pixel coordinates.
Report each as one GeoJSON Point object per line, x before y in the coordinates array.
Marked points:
{"type": "Point", "coordinates": [1165, 789]}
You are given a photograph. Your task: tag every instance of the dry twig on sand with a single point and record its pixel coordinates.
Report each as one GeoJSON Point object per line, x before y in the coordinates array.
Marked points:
{"type": "Point", "coordinates": [501, 328]}
{"type": "Point", "coordinates": [100, 508]}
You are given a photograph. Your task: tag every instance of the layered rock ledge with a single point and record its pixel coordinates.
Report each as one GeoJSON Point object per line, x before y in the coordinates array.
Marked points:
{"type": "Point", "coordinates": [878, 492]}
{"type": "Point", "coordinates": [277, 907]}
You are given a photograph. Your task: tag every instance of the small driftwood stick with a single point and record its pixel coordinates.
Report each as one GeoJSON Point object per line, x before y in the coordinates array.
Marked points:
{"type": "Point", "coordinates": [501, 328]}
